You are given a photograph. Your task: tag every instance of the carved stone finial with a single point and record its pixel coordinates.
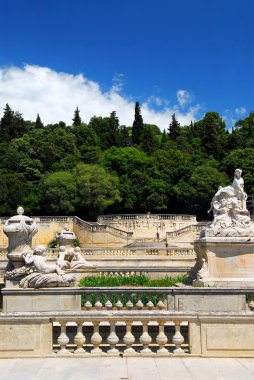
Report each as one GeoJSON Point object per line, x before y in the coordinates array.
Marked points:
{"type": "Point", "coordinates": [20, 210]}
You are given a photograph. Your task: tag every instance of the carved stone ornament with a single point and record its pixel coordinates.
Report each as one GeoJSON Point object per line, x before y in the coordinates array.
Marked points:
{"type": "Point", "coordinates": [37, 273]}
{"type": "Point", "coordinates": [72, 259]}
{"type": "Point", "coordinates": [230, 215]}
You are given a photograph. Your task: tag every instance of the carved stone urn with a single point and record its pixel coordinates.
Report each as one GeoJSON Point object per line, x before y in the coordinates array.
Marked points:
{"type": "Point", "coordinates": [20, 230]}
{"type": "Point", "coordinates": [66, 237]}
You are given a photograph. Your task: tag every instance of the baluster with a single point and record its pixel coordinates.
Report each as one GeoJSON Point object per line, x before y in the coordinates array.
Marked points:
{"type": "Point", "coordinates": [139, 304]}
{"type": "Point", "coordinates": [160, 305]}
{"type": "Point", "coordinates": [162, 340]}
{"type": "Point", "coordinates": [88, 304]}
{"type": "Point", "coordinates": [145, 339]}
{"type": "Point", "coordinates": [129, 304]}
{"type": "Point", "coordinates": [113, 339]}
{"type": "Point", "coordinates": [98, 303]}
{"type": "Point", "coordinates": [178, 339]}
{"type": "Point", "coordinates": [79, 340]}
{"type": "Point", "coordinates": [96, 339]}
{"type": "Point", "coordinates": [149, 304]}
{"type": "Point", "coordinates": [129, 339]}
{"type": "Point", "coordinates": [63, 340]}
{"type": "Point", "coordinates": [119, 304]}
{"type": "Point", "coordinates": [108, 305]}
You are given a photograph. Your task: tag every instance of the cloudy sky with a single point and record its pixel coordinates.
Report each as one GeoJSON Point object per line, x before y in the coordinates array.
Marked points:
{"type": "Point", "coordinates": [184, 57]}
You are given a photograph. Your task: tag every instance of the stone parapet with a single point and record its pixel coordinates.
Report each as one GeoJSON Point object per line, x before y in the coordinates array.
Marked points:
{"type": "Point", "coordinates": [126, 333]}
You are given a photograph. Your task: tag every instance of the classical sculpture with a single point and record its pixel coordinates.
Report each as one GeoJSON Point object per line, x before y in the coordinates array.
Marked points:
{"type": "Point", "coordinates": [72, 259]}
{"type": "Point", "coordinates": [36, 273]}
{"type": "Point", "coordinates": [231, 217]}
{"type": "Point", "coordinates": [20, 230]}
{"type": "Point", "coordinates": [66, 237]}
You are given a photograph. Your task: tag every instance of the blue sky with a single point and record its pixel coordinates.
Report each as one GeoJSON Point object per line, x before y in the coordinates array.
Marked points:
{"type": "Point", "coordinates": [187, 57]}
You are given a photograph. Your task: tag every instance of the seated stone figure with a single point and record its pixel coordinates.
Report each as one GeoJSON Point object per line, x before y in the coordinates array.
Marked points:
{"type": "Point", "coordinates": [37, 273]}
{"type": "Point", "coordinates": [72, 259]}
{"type": "Point", "coordinates": [36, 259]}
{"type": "Point", "coordinates": [231, 217]}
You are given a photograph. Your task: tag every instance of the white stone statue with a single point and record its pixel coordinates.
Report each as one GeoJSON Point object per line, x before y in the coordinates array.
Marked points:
{"type": "Point", "coordinates": [36, 259]}
{"type": "Point", "coordinates": [37, 273]}
{"type": "Point", "coordinates": [72, 259]}
{"type": "Point", "coordinates": [231, 217]}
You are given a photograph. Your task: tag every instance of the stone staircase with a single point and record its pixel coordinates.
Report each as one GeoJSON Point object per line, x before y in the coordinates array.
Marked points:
{"type": "Point", "coordinates": [94, 227]}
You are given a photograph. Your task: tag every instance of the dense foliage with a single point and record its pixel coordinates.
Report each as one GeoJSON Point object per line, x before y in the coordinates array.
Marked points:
{"type": "Point", "coordinates": [105, 167]}
{"type": "Point", "coordinates": [131, 280]}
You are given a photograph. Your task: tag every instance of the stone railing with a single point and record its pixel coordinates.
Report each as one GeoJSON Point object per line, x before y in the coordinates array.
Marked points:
{"type": "Point", "coordinates": [49, 219]}
{"type": "Point", "coordinates": [121, 251]}
{"type": "Point", "coordinates": [175, 252]}
{"type": "Point", "coordinates": [187, 321]}
{"type": "Point", "coordinates": [120, 333]}
{"type": "Point", "coordinates": [184, 230]}
{"type": "Point", "coordinates": [97, 227]}
{"type": "Point", "coordinates": [109, 218]}
{"type": "Point", "coordinates": [124, 332]}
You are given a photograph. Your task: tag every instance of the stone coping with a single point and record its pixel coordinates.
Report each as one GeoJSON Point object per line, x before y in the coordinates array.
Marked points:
{"type": "Point", "coordinates": [237, 240]}
{"type": "Point", "coordinates": [124, 314]}
{"type": "Point", "coordinates": [186, 290]}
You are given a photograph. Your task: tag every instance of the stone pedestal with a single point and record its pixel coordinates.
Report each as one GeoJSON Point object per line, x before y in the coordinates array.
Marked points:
{"type": "Point", "coordinates": [225, 261]}
{"type": "Point", "coordinates": [50, 299]}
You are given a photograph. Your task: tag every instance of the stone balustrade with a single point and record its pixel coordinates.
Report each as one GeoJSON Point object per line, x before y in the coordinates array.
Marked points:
{"type": "Point", "coordinates": [120, 333]}
{"type": "Point", "coordinates": [121, 251]}
{"type": "Point", "coordinates": [126, 332]}
{"type": "Point", "coordinates": [107, 218]}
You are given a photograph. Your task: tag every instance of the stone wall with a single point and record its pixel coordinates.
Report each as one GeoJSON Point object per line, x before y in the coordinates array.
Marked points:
{"type": "Point", "coordinates": [146, 226]}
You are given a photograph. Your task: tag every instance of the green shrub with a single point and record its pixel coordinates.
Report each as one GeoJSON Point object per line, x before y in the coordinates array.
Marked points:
{"type": "Point", "coordinates": [133, 280]}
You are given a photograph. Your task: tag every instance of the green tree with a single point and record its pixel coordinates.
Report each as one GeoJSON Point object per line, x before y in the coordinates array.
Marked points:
{"type": "Point", "coordinates": [149, 143]}
{"type": "Point", "coordinates": [59, 191]}
{"type": "Point", "coordinates": [38, 122]}
{"type": "Point", "coordinates": [164, 137]}
{"type": "Point", "coordinates": [97, 188]}
{"type": "Point", "coordinates": [124, 137]}
{"type": "Point", "coordinates": [138, 126]}
{"type": "Point", "coordinates": [242, 159]}
{"type": "Point", "coordinates": [211, 130]}
{"type": "Point", "coordinates": [12, 124]}
{"type": "Point", "coordinates": [77, 119]}
{"type": "Point", "coordinates": [12, 186]}
{"type": "Point", "coordinates": [174, 128]}
{"type": "Point", "coordinates": [194, 195]}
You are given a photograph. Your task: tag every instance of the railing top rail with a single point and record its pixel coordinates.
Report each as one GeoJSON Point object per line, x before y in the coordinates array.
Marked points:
{"type": "Point", "coordinates": [100, 315]}
{"type": "Point", "coordinates": [130, 290]}
{"type": "Point", "coordinates": [146, 216]}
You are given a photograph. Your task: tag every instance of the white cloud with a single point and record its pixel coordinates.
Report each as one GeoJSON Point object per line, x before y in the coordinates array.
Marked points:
{"type": "Point", "coordinates": [240, 110]}
{"type": "Point", "coordinates": [184, 97]}
{"type": "Point", "coordinates": [55, 96]}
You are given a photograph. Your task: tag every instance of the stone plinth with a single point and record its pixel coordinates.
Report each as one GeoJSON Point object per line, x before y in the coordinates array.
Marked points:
{"type": "Point", "coordinates": [225, 261]}
{"type": "Point", "coordinates": [50, 299]}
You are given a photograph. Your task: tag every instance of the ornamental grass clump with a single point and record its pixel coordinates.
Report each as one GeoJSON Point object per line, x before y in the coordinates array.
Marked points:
{"type": "Point", "coordinates": [132, 280]}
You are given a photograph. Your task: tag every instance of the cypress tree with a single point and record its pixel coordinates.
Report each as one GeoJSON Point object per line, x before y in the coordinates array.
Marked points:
{"type": "Point", "coordinates": [77, 119]}
{"type": "Point", "coordinates": [38, 122]}
{"type": "Point", "coordinates": [174, 128]}
{"type": "Point", "coordinates": [138, 126]}
{"type": "Point", "coordinates": [164, 137]}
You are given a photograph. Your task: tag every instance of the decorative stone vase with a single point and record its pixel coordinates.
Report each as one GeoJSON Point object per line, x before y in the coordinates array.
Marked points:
{"type": "Point", "coordinates": [66, 237]}
{"type": "Point", "coordinates": [20, 230]}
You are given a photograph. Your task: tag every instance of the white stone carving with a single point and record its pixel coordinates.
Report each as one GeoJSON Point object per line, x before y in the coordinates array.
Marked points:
{"type": "Point", "coordinates": [66, 237]}
{"type": "Point", "coordinates": [231, 218]}
{"type": "Point", "coordinates": [72, 259]}
{"type": "Point", "coordinates": [37, 273]}
{"type": "Point", "coordinates": [20, 230]}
